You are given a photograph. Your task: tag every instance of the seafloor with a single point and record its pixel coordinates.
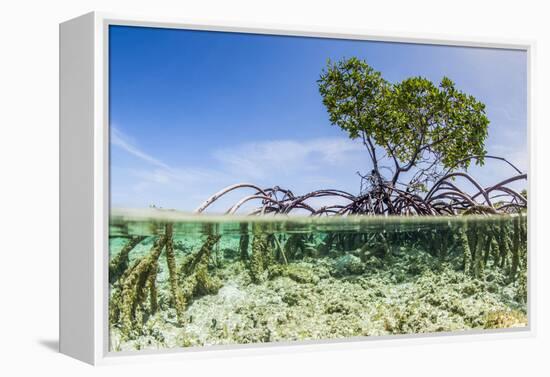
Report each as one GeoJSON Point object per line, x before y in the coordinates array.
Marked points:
{"type": "Point", "coordinates": [335, 296]}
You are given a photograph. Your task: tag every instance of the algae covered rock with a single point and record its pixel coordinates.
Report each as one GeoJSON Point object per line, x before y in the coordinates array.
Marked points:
{"type": "Point", "coordinates": [504, 319]}
{"type": "Point", "coordinates": [299, 272]}
{"type": "Point", "coordinates": [348, 265]}
{"type": "Point", "coordinates": [292, 297]}
{"type": "Point", "coordinates": [339, 306]}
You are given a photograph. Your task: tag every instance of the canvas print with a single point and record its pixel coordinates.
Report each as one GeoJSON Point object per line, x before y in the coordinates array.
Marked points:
{"type": "Point", "coordinates": [268, 188]}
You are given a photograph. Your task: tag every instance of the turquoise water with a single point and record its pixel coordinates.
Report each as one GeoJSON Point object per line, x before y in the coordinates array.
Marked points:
{"type": "Point", "coordinates": [179, 280]}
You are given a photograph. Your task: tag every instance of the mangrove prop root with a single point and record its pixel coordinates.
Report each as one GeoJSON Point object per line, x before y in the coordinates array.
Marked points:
{"type": "Point", "coordinates": [128, 301]}
{"type": "Point", "coordinates": [177, 297]}
{"type": "Point", "coordinates": [194, 275]}
{"type": "Point", "coordinates": [119, 264]}
{"type": "Point", "coordinates": [466, 250]}
{"type": "Point", "coordinates": [133, 289]}
{"type": "Point", "coordinates": [504, 245]}
{"type": "Point", "coordinates": [294, 246]}
{"type": "Point", "coordinates": [152, 286]}
{"type": "Point", "coordinates": [516, 241]}
{"type": "Point", "coordinates": [444, 198]}
{"type": "Point", "coordinates": [499, 244]}
{"type": "Point", "coordinates": [205, 250]}
{"type": "Point", "coordinates": [495, 253]}
{"type": "Point", "coordinates": [257, 262]}
{"type": "Point", "coordinates": [243, 241]}
{"type": "Point", "coordinates": [327, 244]}
{"type": "Point", "coordinates": [522, 278]}
{"type": "Point", "coordinates": [478, 256]}
{"type": "Point", "coordinates": [280, 249]}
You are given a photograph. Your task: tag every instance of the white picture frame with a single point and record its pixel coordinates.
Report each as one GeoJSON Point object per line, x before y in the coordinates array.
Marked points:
{"type": "Point", "coordinates": [84, 188]}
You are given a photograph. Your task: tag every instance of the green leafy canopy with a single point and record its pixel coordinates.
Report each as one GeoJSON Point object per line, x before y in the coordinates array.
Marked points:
{"type": "Point", "coordinates": [413, 121]}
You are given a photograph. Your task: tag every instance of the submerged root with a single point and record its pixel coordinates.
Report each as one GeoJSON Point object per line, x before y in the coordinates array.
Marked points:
{"type": "Point", "coordinates": [280, 250]}
{"type": "Point", "coordinates": [194, 275]}
{"type": "Point", "coordinates": [131, 294]}
{"type": "Point", "coordinates": [500, 245]}
{"type": "Point", "coordinates": [504, 245]}
{"type": "Point", "coordinates": [119, 264]}
{"type": "Point", "coordinates": [515, 249]}
{"type": "Point", "coordinates": [467, 253]}
{"type": "Point", "coordinates": [479, 265]}
{"type": "Point", "coordinates": [177, 297]}
{"type": "Point", "coordinates": [258, 258]}
{"type": "Point", "coordinates": [243, 242]}
{"type": "Point", "coordinates": [128, 304]}
{"type": "Point", "coordinates": [294, 246]}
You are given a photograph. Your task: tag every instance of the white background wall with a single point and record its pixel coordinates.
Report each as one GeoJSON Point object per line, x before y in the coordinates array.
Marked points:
{"type": "Point", "coordinates": [29, 183]}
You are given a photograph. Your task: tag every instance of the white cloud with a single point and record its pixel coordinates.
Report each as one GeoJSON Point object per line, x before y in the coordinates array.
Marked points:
{"type": "Point", "coordinates": [264, 159]}
{"type": "Point", "coordinates": [121, 140]}
{"type": "Point", "coordinates": [300, 166]}
{"type": "Point", "coordinates": [155, 171]}
{"type": "Point", "coordinates": [517, 155]}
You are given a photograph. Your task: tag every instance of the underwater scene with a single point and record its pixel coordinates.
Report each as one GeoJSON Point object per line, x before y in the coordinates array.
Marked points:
{"type": "Point", "coordinates": [180, 280]}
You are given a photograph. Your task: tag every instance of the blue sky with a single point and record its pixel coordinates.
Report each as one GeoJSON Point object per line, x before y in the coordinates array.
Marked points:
{"type": "Point", "coordinates": [194, 111]}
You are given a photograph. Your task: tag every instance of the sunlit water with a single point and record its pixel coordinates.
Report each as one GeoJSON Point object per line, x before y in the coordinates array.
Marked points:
{"type": "Point", "coordinates": [179, 280]}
